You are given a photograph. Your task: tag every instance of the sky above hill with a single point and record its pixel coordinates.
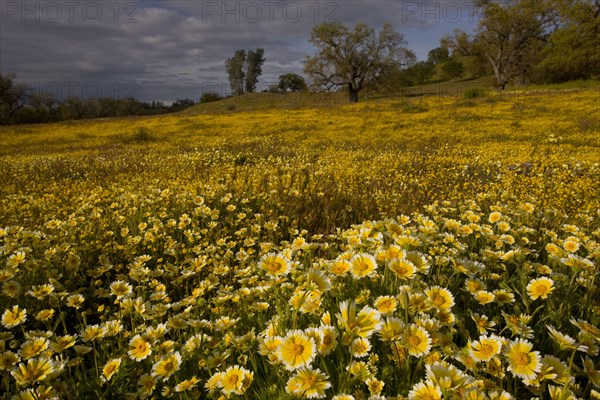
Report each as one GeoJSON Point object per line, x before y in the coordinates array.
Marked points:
{"type": "Point", "coordinates": [169, 49]}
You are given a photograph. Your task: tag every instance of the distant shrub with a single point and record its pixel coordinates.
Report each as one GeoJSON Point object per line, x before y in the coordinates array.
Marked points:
{"type": "Point", "coordinates": [231, 107]}
{"type": "Point", "coordinates": [292, 83]}
{"type": "Point", "coordinates": [142, 135]}
{"type": "Point", "coordinates": [474, 93]}
{"type": "Point", "coordinates": [210, 97]}
{"type": "Point", "coordinates": [242, 160]}
{"type": "Point", "coordinates": [453, 69]}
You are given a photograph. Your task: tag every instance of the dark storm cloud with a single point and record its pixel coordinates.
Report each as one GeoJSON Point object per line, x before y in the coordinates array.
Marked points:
{"type": "Point", "coordinates": [174, 49]}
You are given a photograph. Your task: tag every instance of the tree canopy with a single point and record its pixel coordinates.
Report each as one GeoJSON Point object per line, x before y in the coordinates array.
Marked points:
{"type": "Point", "coordinates": [243, 70]}
{"type": "Point", "coordinates": [573, 50]}
{"type": "Point", "coordinates": [292, 83]}
{"type": "Point", "coordinates": [511, 34]}
{"type": "Point", "coordinates": [354, 58]}
{"type": "Point", "coordinates": [235, 71]}
{"type": "Point", "coordinates": [254, 68]}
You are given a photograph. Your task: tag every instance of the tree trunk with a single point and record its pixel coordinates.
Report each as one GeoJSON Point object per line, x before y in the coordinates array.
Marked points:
{"type": "Point", "coordinates": [501, 82]}
{"type": "Point", "coordinates": [353, 94]}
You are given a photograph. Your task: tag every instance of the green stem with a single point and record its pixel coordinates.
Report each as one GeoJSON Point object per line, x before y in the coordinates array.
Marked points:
{"type": "Point", "coordinates": [571, 360]}
{"type": "Point", "coordinates": [96, 359]}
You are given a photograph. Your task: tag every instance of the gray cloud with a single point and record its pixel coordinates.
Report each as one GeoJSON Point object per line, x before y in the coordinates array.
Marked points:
{"type": "Point", "coordinates": [164, 50]}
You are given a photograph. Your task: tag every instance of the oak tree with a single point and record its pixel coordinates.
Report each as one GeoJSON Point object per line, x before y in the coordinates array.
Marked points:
{"type": "Point", "coordinates": [354, 58]}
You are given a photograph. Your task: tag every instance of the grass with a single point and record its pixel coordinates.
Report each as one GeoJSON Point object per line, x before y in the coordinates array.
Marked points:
{"type": "Point", "coordinates": [571, 85]}
{"type": "Point", "coordinates": [266, 101]}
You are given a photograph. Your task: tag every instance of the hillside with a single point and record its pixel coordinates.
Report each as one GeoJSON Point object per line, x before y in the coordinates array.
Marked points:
{"type": "Point", "coordinates": [265, 101]}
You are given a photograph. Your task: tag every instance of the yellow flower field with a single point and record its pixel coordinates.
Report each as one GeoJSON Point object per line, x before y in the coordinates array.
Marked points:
{"type": "Point", "coordinates": [426, 248]}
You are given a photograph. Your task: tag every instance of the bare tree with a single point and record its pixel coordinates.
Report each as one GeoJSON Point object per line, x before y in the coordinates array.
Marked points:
{"type": "Point", "coordinates": [45, 102]}
{"type": "Point", "coordinates": [13, 96]}
{"type": "Point", "coordinates": [75, 108]}
{"type": "Point", "coordinates": [459, 43]}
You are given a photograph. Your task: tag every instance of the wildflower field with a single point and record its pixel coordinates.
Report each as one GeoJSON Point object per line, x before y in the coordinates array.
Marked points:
{"type": "Point", "coordinates": [423, 248]}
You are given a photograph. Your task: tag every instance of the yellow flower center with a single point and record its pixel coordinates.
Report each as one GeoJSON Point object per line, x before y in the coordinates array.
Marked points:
{"type": "Point", "coordinates": [232, 379]}
{"type": "Point", "coordinates": [486, 348]}
{"type": "Point", "coordinates": [541, 289]}
{"type": "Point", "coordinates": [362, 266]}
{"type": "Point", "coordinates": [522, 359]}
{"type": "Point", "coordinates": [385, 305]}
{"type": "Point", "coordinates": [169, 366]}
{"type": "Point", "coordinates": [297, 349]}
{"type": "Point", "coordinates": [438, 300]}
{"type": "Point", "coordinates": [311, 380]}
{"type": "Point", "coordinates": [414, 340]}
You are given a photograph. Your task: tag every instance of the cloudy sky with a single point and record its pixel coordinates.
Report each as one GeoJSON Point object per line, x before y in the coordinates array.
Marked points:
{"type": "Point", "coordinates": [169, 49]}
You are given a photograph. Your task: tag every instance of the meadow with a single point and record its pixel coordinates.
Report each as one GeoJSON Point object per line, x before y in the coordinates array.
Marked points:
{"type": "Point", "coordinates": [429, 247]}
